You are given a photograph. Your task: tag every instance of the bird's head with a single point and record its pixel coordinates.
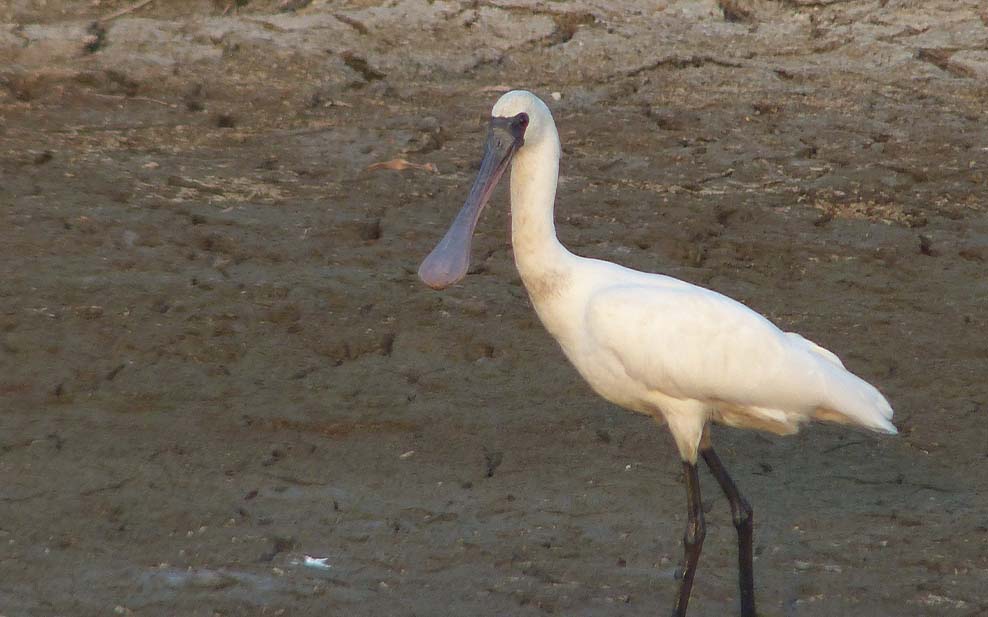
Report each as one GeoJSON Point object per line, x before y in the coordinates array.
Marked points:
{"type": "Point", "coordinates": [519, 104]}
{"type": "Point", "coordinates": [519, 120]}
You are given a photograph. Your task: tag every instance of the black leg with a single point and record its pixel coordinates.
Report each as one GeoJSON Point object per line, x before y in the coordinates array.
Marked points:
{"type": "Point", "coordinates": [743, 522]}
{"type": "Point", "coordinates": [692, 540]}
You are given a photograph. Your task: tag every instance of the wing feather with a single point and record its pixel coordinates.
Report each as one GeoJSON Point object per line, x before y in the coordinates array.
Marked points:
{"type": "Point", "coordinates": [688, 342]}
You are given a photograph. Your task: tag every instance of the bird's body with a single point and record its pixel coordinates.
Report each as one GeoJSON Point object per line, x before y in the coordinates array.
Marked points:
{"type": "Point", "coordinates": [660, 346]}
{"type": "Point", "coordinates": [652, 343]}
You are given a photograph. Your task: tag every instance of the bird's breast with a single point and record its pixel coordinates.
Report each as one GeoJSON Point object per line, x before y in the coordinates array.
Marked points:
{"type": "Point", "coordinates": [606, 375]}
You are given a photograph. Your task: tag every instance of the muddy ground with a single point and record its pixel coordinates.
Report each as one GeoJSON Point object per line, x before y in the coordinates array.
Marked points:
{"type": "Point", "coordinates": [217, 358]}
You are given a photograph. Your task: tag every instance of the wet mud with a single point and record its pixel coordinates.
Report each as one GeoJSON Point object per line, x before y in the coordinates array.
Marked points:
{"type": "Point", "coordinates": [217, 359]}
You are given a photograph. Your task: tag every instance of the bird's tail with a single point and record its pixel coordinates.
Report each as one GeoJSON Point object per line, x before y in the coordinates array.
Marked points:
{"type": "Point", "coordinates": [853, 400]}
{"type": "Point", "coordinates": [850, 399]}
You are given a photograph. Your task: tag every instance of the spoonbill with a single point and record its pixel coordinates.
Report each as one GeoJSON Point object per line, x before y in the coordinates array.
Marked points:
{"type": "Point", "coordinates": [651, 343]}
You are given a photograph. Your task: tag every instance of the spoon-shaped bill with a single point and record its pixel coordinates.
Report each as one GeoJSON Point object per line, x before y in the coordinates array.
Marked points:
{"type": "Point", "coordinates": [448, 262]}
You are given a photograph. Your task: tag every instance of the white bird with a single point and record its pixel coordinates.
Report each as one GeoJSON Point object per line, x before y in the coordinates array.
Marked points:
{"type": "Point", "coordinates": [650, 343]}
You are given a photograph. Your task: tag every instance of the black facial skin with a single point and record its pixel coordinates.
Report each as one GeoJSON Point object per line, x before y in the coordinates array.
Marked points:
{"type": "Point", "coordinates": [514, 126]}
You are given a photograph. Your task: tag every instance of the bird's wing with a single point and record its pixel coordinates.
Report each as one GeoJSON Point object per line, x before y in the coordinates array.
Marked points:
{"type": "Point", "coordinates": [810, 345]}
{"type": "Point", "coordinates": [692, 343]}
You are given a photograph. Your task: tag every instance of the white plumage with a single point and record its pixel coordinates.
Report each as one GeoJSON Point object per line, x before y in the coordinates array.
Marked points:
{"type": "Point", "coordinates": [661, 346]}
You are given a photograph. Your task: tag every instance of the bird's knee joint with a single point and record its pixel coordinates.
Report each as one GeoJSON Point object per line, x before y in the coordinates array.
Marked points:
{"type": "Point", "coordinates": [695, 532]}
{"type": "Point", "coordinates": [743, 515]}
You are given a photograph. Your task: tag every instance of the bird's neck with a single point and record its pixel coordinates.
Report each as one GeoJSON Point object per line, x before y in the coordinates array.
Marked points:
{"type": "Point", "coordinates": [534, 174]}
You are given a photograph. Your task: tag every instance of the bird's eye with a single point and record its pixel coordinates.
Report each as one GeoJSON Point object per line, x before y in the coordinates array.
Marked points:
{"type": "Point", "coordinates": [522, 120]}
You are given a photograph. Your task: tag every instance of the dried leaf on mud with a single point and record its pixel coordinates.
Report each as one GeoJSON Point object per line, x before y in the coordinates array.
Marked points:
{"type": "Point", "coordinates": [402, 164]}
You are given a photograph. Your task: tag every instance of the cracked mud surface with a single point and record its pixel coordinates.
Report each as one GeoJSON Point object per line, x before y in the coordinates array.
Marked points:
{"type": "Point", "coordinates": [217, 358]}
